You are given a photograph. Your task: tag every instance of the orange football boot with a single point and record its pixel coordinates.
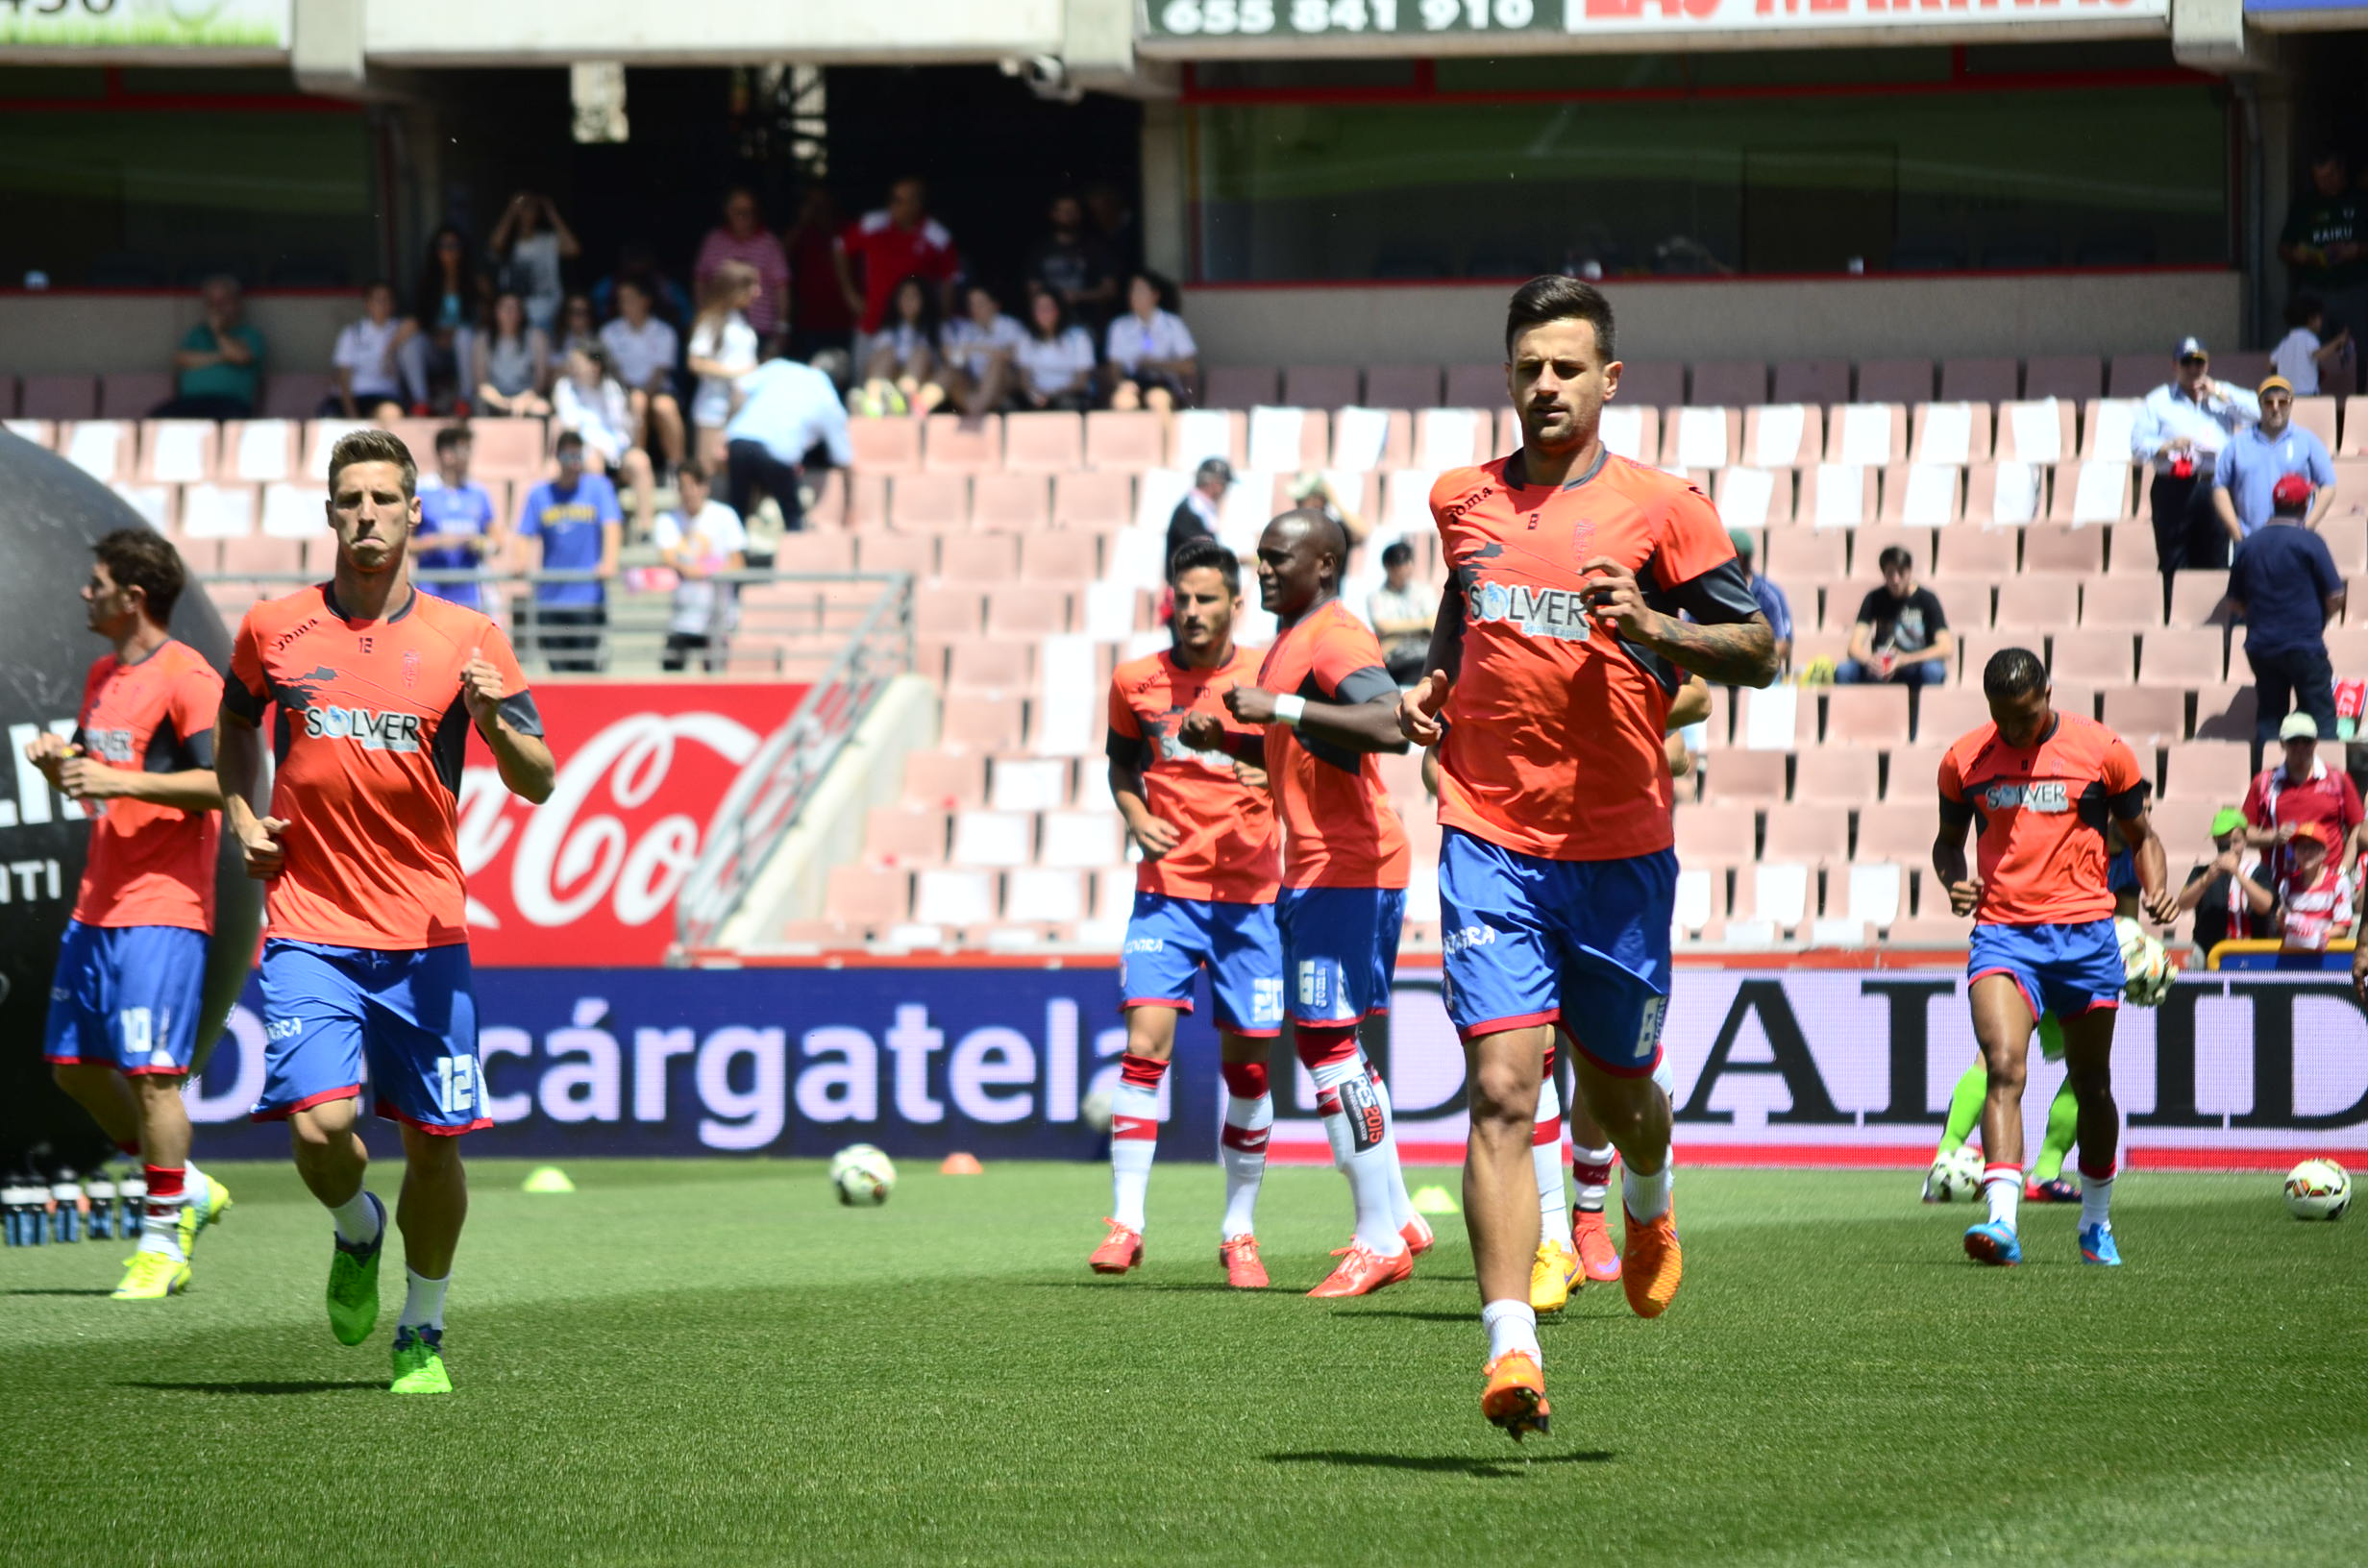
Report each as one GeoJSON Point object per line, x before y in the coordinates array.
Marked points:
{"type": "Point", "coordinates": [1417, 1237]}
{"type": "Point", "coordinates": [1240, 1256]}
{"type": "Point", "coordinates": [1515, 1398]}
{"type": "Point", "coordinates": [1362, 1271]}
{"type": "Point", "coordinates": [1591, 1239]}
{"type": "Point", "coordinates": [1651, 1264]}
{"type": "Point", "coordinates": [1120, 1251]}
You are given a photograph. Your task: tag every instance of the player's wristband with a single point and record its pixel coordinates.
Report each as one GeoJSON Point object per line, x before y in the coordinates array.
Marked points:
{"type": "Point", "coordinates": [1288, 709]}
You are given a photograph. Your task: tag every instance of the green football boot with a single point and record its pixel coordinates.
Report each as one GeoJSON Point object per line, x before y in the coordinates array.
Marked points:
{"type": "Point", "coordinates": [353, 1284]}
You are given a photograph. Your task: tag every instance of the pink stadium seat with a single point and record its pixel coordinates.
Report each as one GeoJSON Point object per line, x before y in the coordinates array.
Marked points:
{"type": "Point", "coordinates": [1869, 716]}
{"type": "Point", "coordinates": [2130, 551]}
{"type": "Point", "coordinates": [1126, 442]}
{"type": "Point", "coordinates": [876, 550]}
{"type": "Point", "coordinates": [944, 780]}
{"type": "Point", "coordinates": [949, 611]}
{"type": "Point", "coordinates": [1184, 448]}
{"type": "Point", "coordinates": [1027, 610]}
{"type": "Point", "coordinates": [1901, 830]}
{"type": "Point", "coordinates": [1867, 433]}
{"type": "Point", "coordinates": [2226, 712]}
{"type": "Point", "coordinates": [990, 664]}
{"type": "Point", "coordinates": [261, 554]}
{"type": "Point", "coordinates": [1807, 835]}
{"type": "Point", "coordinates": [2147, 716]}
{"type": "Point", "coordinates": [949, 445]}
{"type": "Point", "coordinates": [297, 394]}
{"type": "Point", "coordinates": [2354, 438]}
{"type": "Point", "coordinates": [979, 558]}
{"type": "Point", "coordinates": [2218, 771]}
{"type": "Point", "coordinates": [929, 502]}
{"type": "Point", "coordinates": [1654, 384]}
{"type": "Point", "coordinates": [1715, 835]}
{"type": "Point", "coordinates": [1092, 501]}
{"type": "Point", "coordinates": [61, 397]}
{"type": "Point", "coordinates": [2318, 416]}
{"type": "Point", "coordinates": [1730, 384]}
{"type": "Point", "coordinates": [104, 449]}
{"type": "Point", "coordinates": [2075, 378]}
{"type": "Point", "coordinates": [1934, 429]}
{"type": "Point", "coordinates": [8, 394]}
{"type": "Point", "coordinates": [2134, 375]}
{"type": "Point", "coordinates": [1238, 386]}
{"type": "Point", "coordinates": [904, 836]}
{"type": "Point", "coordinates": [1049, 443]}
{"type": "Point", "coordinates": [1911, 772]}
{"type": "Point", "coordinates": [2122, 603]}
{"type": "Point", "coordinates": [2054, 547]}
{"type": "Point", "coordinates": [2347, 649]}
{"type": "Point", "coordinates": [1745, 777]}
{"type": "Point", "coordinates": [2344, 539]}
{"type": "Point", "coordinates": [1071, 556]}
{"type": "Point", "coordinates": [1483, 386]}
{"type": "Point", "coordinates": [1990, 552]}
{"type": "Point", "coordinates": [811, 550]}
{"type": "Point", "coordinates": [931, 655]}
{"type": "Point", "coordinates": [2097, 658]}
{"type": "Point", "coordinates": [1701, 436]}
{"type": "Point", "coordinates": [2053, 440]}
{"type": "Point", "coordinates": [2032, 605]}
{"type": "Point", "coordinates": [869, 895]}
{"type": "Point", "coordinates": [1833, 775]}
{"type": "Point", "coordinates": [887, 445]}
{"type": "Point", "coordinates": [1754, 498]}
{"type": "Point", "coordinates": [504, 448]}
{"type": "Point", "coordinates": [1319, 386]}
{"type": "Point", "coordinates": [2238, 367]}
{"type": "Point", "coordinates": [981, 723]}
{"type": "Point", "coordinates": [1977, 380]}
{"type": "Point", "coordinates": [1815, 381]}
{"type": "Point", "coordinates": [1803, 553]}
{"type": "Point", "coordinates": [1968, 601]}
{"type": "Point", "coordinates": [1790, 435]}
{"type": "Point", "coordinates": [1943, 713]}
{"type": "Point", "coordinates": [1821, 603]}
{"type": "Point", "coordinates": [129, 394]}
{"type": "Point", "coordinates": [1868, 542]}
{"type": "Point", "coordinates": [1895, 381]}
{"type": "Point", "coordinates": [1918, 484]}
{"type": "Point", "coordinates": [1991, 503]}
{"type": "Point", "coordinates": [2197, 598]}
{"type": "Point", "coordinates": [1404, 386]}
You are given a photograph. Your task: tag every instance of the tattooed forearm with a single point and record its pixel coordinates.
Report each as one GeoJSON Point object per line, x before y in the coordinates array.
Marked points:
{"type": "Point", "coordinates": [1738, 653]}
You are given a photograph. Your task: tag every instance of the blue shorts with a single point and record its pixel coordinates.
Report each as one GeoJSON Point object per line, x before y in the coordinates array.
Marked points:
{"type": "Point", "coordinates": [126, 997]}
{"type": "Point", "coordinates": [2064, 970]}
{"type": "Point", "coordinates": [409, 1016]}
{"type": "Point", "coordinates": [1584, 943]}
{"type": "Point", "coordinates": [1170, 939]}
{"type": "Point", "coordinates": [1340, 951]}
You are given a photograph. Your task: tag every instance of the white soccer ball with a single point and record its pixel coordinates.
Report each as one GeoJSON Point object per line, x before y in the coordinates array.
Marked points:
{"type": "Point", "coordinates": [2147, 966]}
{"type": "Point", "coordinates": [1957, 1175]}
{"type": "Point", "coordinates": [1094, 1109]}
{"type": "Point", "coordinates": [863, 1175]}
{"type": "Point", "coordinates": [2318, 1189]}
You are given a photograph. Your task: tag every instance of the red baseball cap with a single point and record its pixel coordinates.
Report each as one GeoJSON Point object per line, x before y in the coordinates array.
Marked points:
{"type": "Point", "coordinates": [2293, 490]}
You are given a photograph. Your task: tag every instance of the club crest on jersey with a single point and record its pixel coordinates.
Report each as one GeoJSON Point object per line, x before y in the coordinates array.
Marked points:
{"type": "Point", "coordinates": [375, 731]}
{"type": "Point", "coordinates": [410, 667]}
{"type": "Point", "coordinates": [2046, 796]}
{"type": "Point", "coordinates": [1556, 613]}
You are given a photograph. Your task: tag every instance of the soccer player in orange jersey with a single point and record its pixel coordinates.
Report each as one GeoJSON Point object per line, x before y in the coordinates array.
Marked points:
{"type": "Point", "coordinates": [1326, 705]}
{"type": "Point", "coordinates": [124, 1007]}
{"type": "Point", "coordinates": [1204, 899]}
{"type": "Point", "coordinates": [1553, 665]}
{"type": "Point", "coordinates": [365, 957]}
{"type": "Point", "coordinates": [2040, 787]}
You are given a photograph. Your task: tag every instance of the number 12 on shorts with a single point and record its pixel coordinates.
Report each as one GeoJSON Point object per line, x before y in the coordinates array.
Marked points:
{"type": "Point", "coordinates": [455, 1085]}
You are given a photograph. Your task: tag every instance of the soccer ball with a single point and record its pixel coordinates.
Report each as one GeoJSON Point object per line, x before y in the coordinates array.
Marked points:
{"type": "Point", "coordinates": [1095, 1110]}
{"type": "Point", "coordinates": [863, 1175]}
{"type": "Point", "coordinates": [2147, 967]}
{"type": "Point", "coordinates": [2318, 1189]}
{"type": "Point", "coordinates": [1957, 1175]}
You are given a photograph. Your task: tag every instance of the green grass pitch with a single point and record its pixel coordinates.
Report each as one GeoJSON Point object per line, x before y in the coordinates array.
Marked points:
{"type": "Point", "coordinates": [712, 1363]}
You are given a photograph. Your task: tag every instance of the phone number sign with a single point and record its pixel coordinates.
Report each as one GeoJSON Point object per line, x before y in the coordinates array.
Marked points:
{"type": "Point", "coordinates": [1345, 18]}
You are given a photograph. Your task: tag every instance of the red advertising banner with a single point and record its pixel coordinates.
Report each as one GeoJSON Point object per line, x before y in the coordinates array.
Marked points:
{"type": "Point", "coordinates": [589, 877]}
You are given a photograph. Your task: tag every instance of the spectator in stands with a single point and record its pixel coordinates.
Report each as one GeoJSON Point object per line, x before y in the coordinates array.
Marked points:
{"type": "Point", "coordinates": [820, 315]}
{"type": "Point", "coordinates": [590, 402]}
{"type": "Point", "coordinates": [743, 237]}
{"type": "Point", "coordinates": [981, 346]}
{"type": "Point", "coordinates": [889, 245]}
{"type": "Point", "coordinates": [1056, 357]}
{"type": "Point", "coordinates": [530, 248]}
{"type": "Point", "coordinates": [2230, 903]}
{"type": "Point", "coordinates": [1115, 225]}
{"type": "Point", "coordinates": [1074, 265]}
{"type": "Point", "coordinates": [723, 349]}
{"type": "Point", "coordinates": [2256, 461]}
{"type": "Point", "coordinates": [368, 359]}
{"type": "Point", "coordinates": [218, 369]}
{"type": "Point", "coordinates": [2181, 429]}
{"type": "Point", "coordinates": [1902, 635]}
{"type": "Point", "coordinates": [904, 374]}
{"type": "Point", "coordinates": [2298, 790]}
{"type": "Point", "coordinates": [2326, 243]}
{"type": "Point", "coordinates": [1153, 360]}
{"type": "Point", "coordinates": [1401, 611]}
{"type": "Point", "coordinates": [700, 538]}
{"type": "Point", "coordinates": [513, 361]}
{"type": "Point", "coordinates": [2315, 897]}
{"type": "Point", "coordinates": [637, 262]}
{"type": "Point", "coordinates": [1770, 598]}
{"type": "Point", "coordinates": [581, 527]}
{"type": "Point", "coordinates": [579, 329]}
{"type": "Point", "coordinates": [1196, 515]}
{"type": "Point", "coordinates": [788, 411]}
{"type": "Point", "coordinates": [2285, 588]}
{"type": "Point", "coordinates": [458, 528]}
{"type": "Point", "coordinates": [643, 349]}
{"type": "Point", "coordinates": [2303, 355]}
{"type": "Point", "coordinates": [447, 303]}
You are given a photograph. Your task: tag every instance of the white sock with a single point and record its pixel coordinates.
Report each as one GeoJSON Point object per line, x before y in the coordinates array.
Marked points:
{"type": "Point", "coordinates": [1590, 1172]}
{"type": "Point", "coordinates": [1247, 1122]}
{"type": "Point", "coordinates": [160, 1226]}
{"type": "Point", "coordinates": [1546, 1159]}
{"type": "Point", "coordinates": [423, 1300]}
{"type": "Point", "coordinates": [2096, 1200]}
{"type": "Point", "coordinates": [1512, 1326]}
{"type": "Point", "coordinates": [1134, 1135]}
{"type": "Point", "coordinates": [1358, 1128]}
{"type": "Point", "coordinates": [194, 1185]}
{"type": "Point", "coordinates": [356, 1219]}
{"type": "Point", "coordinates": [2003, 1186]}
{"type": "Point", "coordinates": [1401, 1204]}
{"type": "Point", "coordinates": [1647, 1197]}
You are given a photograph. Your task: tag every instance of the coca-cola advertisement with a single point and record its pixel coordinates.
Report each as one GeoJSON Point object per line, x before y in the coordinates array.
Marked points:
{"type": "Point", "coordinates": [589, 877]}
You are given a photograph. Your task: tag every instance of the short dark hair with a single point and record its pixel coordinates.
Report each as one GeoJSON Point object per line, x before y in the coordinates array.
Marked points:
{"type": "Point", "coordinates": [691, 468]}
{"type": "Point", "coordinates": [144, 559]}
{"type": "Point", "coordinates": [568, 439]}
{"type": "Point", "coordinates": [1195, 555]}
{"type": "Point", "coordinates": [1397, 552]}
{"type": "Point", "coordinates": [1556, 298]}
{"type": "Point", "coordinates": [1895, 558]}
{"type": "Point", "coordinates": [373, 446]}
{"type": "Point", "coordinates": [450, 436]}
{"type": "Point", "coordinates": [2301, 307]}
{"type": "Point", "coordinates": [2014, 672]}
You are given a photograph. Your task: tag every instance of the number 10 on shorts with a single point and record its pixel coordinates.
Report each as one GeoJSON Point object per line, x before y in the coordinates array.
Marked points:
{"type": "Point", "coordinates": [455, 1085]}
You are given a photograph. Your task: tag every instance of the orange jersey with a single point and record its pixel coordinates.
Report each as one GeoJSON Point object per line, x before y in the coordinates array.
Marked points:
{"type": "Point", "coordinates": [1554, 744]}
{"type": "Point", "coordinates": [370, 735]}
{"type": "Point", "coordinates": [150, 865]}
{"type": "Point", "coordinates": [2040, 815]}
{"type": "Point", "coordinates": [1227, 851]}
{"type": "Point", "coordinates": [1339, 830]}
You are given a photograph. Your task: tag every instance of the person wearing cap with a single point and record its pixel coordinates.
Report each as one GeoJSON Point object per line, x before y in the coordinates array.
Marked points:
{"type": "Point", "coordinates": [1770, 598]}
{"type": "Point", "coordinates": [1196, 516]}
{"type": "Point", "coordinates": [2314, 894]}
{"type": "Point", "coordinates": [2301, 791]}
{"type": "Point", "coordinates": [2284, 585]}
{"type": "Point", "coordinates": [2259, 460]}
{"type": "Point", "coordinates": [2180, 430]}
{"type": "Point", "coordinates": [1402, 611]}
{"type": "Point", "coordinates": [2230, 893]}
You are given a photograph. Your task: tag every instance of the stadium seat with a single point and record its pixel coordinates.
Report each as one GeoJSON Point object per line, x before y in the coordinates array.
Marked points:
{"type": "Point", "coordinates": [1655, 385]}
{"type": "Point", "coordinates": [2201, 770]}
{"type": "Point", "coordinates": [1754, 498]}
{"type": "Point", "coordinates": [964, 445]}
{"type": "Point", "coordinates": [1715, 835]}
{"type": "Point", "coordinates": [1070, 556]}
{"type": "Point", "coordinates": [1043, 443]}
{"type": "Point", "coordinates": [104, 449]}
{"type": "Point", "coordinates": [1899, 381]}
{"type": "Point", "coordinates": [993, 838]}
{"type": "Point", "coordinates": [2042, 432]}
{"type": "Point", "coordinates": [1194, 434]}
{"type": "Point", "coordinates": [258, 554]}
{"type": "Point", "coordinates": [1875, 893]}
{"type": "Point", "coordinates": [879, 550]}
{"type": "Point", "coordinates": [1367, 439]}
{"type": "Point", "coordinates": [814, 551]}
{"type": "Point", "coordinates": [1728, 384]}
{"type": "Point", "coordinates": [2036, 604]}
{"type": "Point", "coordinates": [294, 511]}
{"type": "Point", "coordinates": [1800, 553]}
{"type": "Point", "coordinates": [1483, 386]}
{"type": "Point", "coordinates": [982, 559]}
{"type": "Point", "coordinates": [1949, 432]}
{"type": "Point", "coordinates": [1868, 542]}
{"type": "Point", "coordinates": [1977, 380]}
{"type": "Point", "coordinates": [1869, 716]}
{"type": "Point", "coordinates": [1784, 434]}
{"type": "Point", "coordinates": [988, 664]}
{"type": "Point", "coordinates": [1968, 599]}
{"type": "Point", "coordinates": [869, 897]}
{"type": "Point", "coordinates": [296, 394]}
{"type": "Point", "coordinates": [1285, 440]}
{"type": "Point", "coordinates": [904, 836]}
{"type": "Point", "coordinates": [2009, 494]}
{"type": "Point", "coordinates": [1833, 775]}
{"type": "Point", "coordinates": [1027, 783]}
{"type": "Point", "coordinates": [2106, 425]}
{"type": "Point", "coordinates": [1922, 495]}
{"type": "Point", "coordinates": [2147, 716]}
{"type": "Point", "coordinates": [2319, 416]}
{"type": "Point", "coordinates": [59, 397]}
{"type": "Point", "coordinates": [1701, 436]}
{"type": "Point", "coordinates": [507, 448]}
{"type": "Point", "coordinates": [1027, 610]}
{"type": "Point", "coordinates": [1092, 499]}
{"type": "Point", "coordinates": [1632, 431]}
{"type": "Point", "coordinates": [944, 780]}
{"type": "Point", "coordinates": [178, 452]}
{"type": "Point", "coordinates": [1701, 901]}
{"type": "Point", "coordinates": [1239, 387]}
{"type": "Point", "coordinates": [1814, 381]}
{"type": "Point", "coordinates": [2197, 598]}
{"type": "Point", "coordinates": [219, 511]}
{"type": "Point", "coordinates": [2134, 375]}
{"type": "Point", "coordinates": [41, 432]}
{"type": "Point", "coordinates": [2347, 649]}
{"type": "Point", "coordinates": [1086, 840]}
{"type": "Point", "coordinates": [2075, 378]}
{"type": "Point", "coordinates": [1971, 551]}
{"type": "Point", "coordinates": [1754, 778]}
{"type": "Point", "coordinates": [1944, 931]}
{"type": "Point", "coordinates": [1943, 713]}
{"type": "Point", "coordinates": [1404, 386]}
{"type": "Point", "coordinates": [1323, 387]}
{"type": "Point", "coordinates": [1126, 442]}
{"type": "Point", "coordinates": [885, 445]}
{"type": "Point", "coordinates": [129, 394]}
{"type": "Point", "coordinates": [1447, 438]}
{"type": "Point", "coordinates": [1867, 435]}
{"type": "Point", "coordinates": [1781, 895]}
{"type": "Point", "coordinates": [1911, 771]}
{"type": "Point", "coordinates": [2096, 658]}
{"type": "Point", "coordinates": [1044, 895]}
{"type": "Point", "coordinates": [2094, 490]}
{"type": "Point", "coordinates": [947, 611]}
{"type": "Point", "coordinates": [1900, 830]}
{"type": "Point", "coordinates": [929, 502]}
{"type": "Point", "coordinates": [2129, 550]}
{"type": "Point", "coordinates": [956, 899]}
{"type": "Point", "coordinates": [157, 505]}
{"type": "Point", "coordinates": [2121, 603]}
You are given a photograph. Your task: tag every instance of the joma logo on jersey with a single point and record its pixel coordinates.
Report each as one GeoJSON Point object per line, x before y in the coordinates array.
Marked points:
{"type": "Point", "coordinates": [1556, 613]}
{"type": "Point", "coordinates": [2048, 796]}
{"type": "Point", "coordinates": [293, 632]}
{"type": "Point", "coordinates": [375, 731]}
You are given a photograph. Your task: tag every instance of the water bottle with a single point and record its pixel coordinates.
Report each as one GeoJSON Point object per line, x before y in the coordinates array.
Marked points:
{"type": "Point", "coordinates": [22, 1204]}
{"type": "Point", "coordinates": [134, 1193]}
{"type": "Point", "coordinates": [65, 1212]}
{"type": "Point", "coordinates": [103, 1213]}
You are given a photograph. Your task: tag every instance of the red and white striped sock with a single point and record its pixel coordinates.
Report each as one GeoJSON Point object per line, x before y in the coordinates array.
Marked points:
{"type": "Point", "coordinates": [2003, 1186]}
{"type": "Point", "coordinates": [1591, 1173]}
{"type": "Point", "coordinates": [159, 1228]}
{"type": "Point", "coordinates": [1134, 1135]}
{"type": "Point", "coordinates": [1358, 1127]}
{"type": "Point", "coordinates": [1249, 1113]}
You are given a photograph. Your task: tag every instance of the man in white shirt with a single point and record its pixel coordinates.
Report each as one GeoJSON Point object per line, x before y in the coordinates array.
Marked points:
{"type": "Point", "coordinates": [700, 538]}
{"type": "Point", "coordinates": [2302, 354]}
{"type": "Point", "coordinates": [369, 377]}
{"type": "Point", "coordinates": [2181, 429]}
{"type": "Point", "coordinates": [642, 349]}
{"type": "Point", "coordinates": [787, 411]}
{"type": "Point", "coordinates": [1402, 610]}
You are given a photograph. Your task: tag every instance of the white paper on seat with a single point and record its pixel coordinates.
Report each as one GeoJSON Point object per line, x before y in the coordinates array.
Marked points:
{"type": "Point", "coordinates": [294, 511]}
{"type": "Point", "coordinates": [993, 838]}
{"type": "Point", "coordinates": [1360, 437]}
{"type": "Point", "coordinates": [323, 436]}
{"type": "Point", "coordinates": [1114, 892]}
{"type": "Point", "coordinates": [1275, 438]}
{"type": "Point", "coordinates": [1875, 894]}
{"type": "Point", "coordinates": [1066, 700]}
{"type": "Point", "coordinates": [1750, 933]}
{"type": "Point", "coordinates": [1931, 501]}
{"type": "Point", "coordinates": [2016, 497]}
{"type": "Point", "coordinates": [179, 456]}
{"type": "Point", "coordinates": [91, 446]}
{"type": "Point", "coordinates": [947, 897]}
{"type": "Point", "coordinates": [1027, 783]}
{"type": "Point", "coordinates": [1771, 718]}
{"type": "Point", "coordinates": [1447, 437]}
{"type": "Point", "coordinates": [1622, 432]}
{"type": "Point", "coordinates": [1110, 610]}
{"type": "Point", "coordinates": [1406, 501]}
{"type": "Point", "coordinates": [2038, 431]}
{"type": "Point", "coordinates": [1036, 892]}
{"type": "Point", "coordinates": [1826, 932]}
{"type": "Point", "coordinates": [217, 512]}
{"type": "Point", "coordinates": [1743, 497]}
{"type": "Point", "coordinates": [1137, 558]}
{"type": "Point", "coordinates": [1144, 644]}
{"type": "Point", "coordinates": [1202, 433]}
{"type": "Point", "coordinates": [34, 430]}
{"type": "Point", "coordinates": [1780, 894]}
{"type": "Point", "coordinates": [1948, 433]}
{"type": "Point", "coordinates": [2103, 489]}
{"type": "Point", "coordinates": [1693, 898]}
{"type": "Point", "coordinates": [1248, 508]}
{"type": "Point", "coordinates": [262, 449]}
{"type": "Point", "coordinates": [1842, 495]}
{"type": "Point", "coordinates": [1256, 627]}
{"type": "Point", "coordinates": [1865, 434]}
{"type": "Point", "coordinates": [1156, 495]}
{"type": "Point", "coordinates": [1701, 438]}
{"type": "Point", "coordinates": [1777, 441]}
{"type": "Point", "coordinates": [2108, 437]}
{"type": "Point", "coordinates": [1082, 840]}
{"type": "Point", "coordinates": [153, 503]}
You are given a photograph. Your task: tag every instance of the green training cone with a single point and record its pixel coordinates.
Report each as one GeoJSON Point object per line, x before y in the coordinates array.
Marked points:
{"type": "Point", "coordinates": [548, 1178]}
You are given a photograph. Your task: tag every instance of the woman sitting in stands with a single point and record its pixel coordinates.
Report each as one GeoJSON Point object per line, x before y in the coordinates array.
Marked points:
{"type": "Point", "coordinates": [592, 403]}
{"type": "Point", "coordinates": [1057, 362]}
{"type": "Point", "coordinates": [1154, 360]}
{"type": "Point", "coordinates": [512, 362]}
{"type": "Point", "coordinates": [903, 372]}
